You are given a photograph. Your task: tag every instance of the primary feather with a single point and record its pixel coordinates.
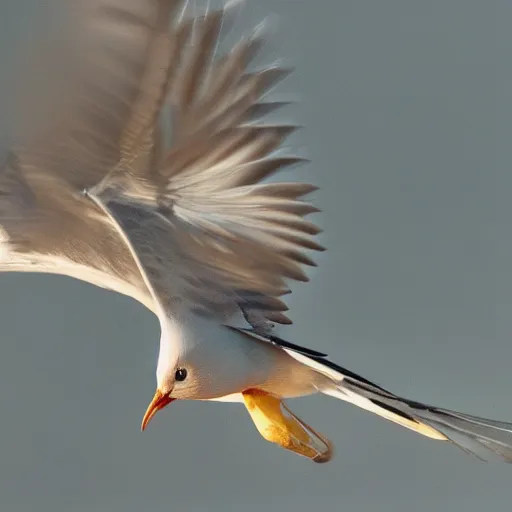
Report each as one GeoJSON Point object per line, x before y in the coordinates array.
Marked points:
{"type": "Point", "coordinates": [209, 234]}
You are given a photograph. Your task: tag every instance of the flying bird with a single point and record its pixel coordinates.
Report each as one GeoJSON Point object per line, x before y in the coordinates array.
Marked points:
{"type": "Point", "coordinates": [181, 216]}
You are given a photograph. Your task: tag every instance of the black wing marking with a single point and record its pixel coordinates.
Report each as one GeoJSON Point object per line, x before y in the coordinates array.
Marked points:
{"type": "Point", "coordinates": [316, 356]}
{"type": "Point", "coordinates": [282, 343]}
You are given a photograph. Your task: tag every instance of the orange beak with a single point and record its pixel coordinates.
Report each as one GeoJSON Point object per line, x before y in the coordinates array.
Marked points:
{"type": "Point", "coordinates": [159, 402]}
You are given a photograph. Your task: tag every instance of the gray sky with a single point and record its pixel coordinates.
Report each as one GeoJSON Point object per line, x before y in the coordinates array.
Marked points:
{"type": "Point", "coordinates": [408, 108]}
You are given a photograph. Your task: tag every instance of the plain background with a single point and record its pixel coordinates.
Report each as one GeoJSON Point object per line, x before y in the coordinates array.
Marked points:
{"type": "Point", "coordinates": [408, 113]}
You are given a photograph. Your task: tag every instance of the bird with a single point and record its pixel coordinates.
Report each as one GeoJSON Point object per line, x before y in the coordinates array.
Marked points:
{"type": "Point", "coordinates": [141, 162]}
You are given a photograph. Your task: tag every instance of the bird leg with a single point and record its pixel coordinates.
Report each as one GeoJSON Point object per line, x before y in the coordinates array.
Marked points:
{"type": "Point", "coordinates": [277, 424]}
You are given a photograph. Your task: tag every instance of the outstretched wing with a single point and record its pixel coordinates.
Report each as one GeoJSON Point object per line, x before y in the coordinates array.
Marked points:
{"type": "Point", "coordinates": [90, 93]}
{"type": "Point", "coordinates": [207, 231]}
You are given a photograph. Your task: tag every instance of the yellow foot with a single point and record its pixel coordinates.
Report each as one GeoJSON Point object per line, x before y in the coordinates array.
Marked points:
{"type": "Point", "coordinates": [277, 424]}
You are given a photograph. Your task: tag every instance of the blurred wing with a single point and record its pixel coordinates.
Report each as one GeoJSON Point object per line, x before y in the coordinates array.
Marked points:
{"type": "Point", "coordinates": [208, 234]}
{"type": "Point", "coordinates": [86, 99]}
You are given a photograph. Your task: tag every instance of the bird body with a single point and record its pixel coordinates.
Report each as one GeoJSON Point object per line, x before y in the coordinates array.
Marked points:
{"type": "Point", "coordinates": [187, 223]}
{"type": "Point", "coordinates": [215, 350]}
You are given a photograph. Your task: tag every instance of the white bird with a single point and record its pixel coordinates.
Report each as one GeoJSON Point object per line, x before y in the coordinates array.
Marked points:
{"type": "Point", "coordinates": [186, 224]}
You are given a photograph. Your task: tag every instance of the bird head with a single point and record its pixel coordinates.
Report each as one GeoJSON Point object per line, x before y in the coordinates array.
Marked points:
{"type": "Point", "coordinates": [197, 361]}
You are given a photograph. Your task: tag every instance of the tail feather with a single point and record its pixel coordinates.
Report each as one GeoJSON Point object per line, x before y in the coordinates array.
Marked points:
{"type": "Point", "coordinates": [484, 438]}
{"type": "Point", "coordinates": [480, 436]}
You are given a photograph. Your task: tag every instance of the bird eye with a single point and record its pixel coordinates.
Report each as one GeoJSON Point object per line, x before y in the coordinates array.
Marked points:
{"type": "Point", "coordinates": [181, 374]}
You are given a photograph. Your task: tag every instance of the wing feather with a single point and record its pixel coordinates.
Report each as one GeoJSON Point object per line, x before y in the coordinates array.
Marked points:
{"type": "Point", "coordinates": [208, 231]}
{"type": "Point", "coordinates": [88, 99]}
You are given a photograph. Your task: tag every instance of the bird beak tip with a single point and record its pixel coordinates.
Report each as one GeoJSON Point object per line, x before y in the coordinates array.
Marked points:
{"type": "Point", "coordinates": [158, 402]}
